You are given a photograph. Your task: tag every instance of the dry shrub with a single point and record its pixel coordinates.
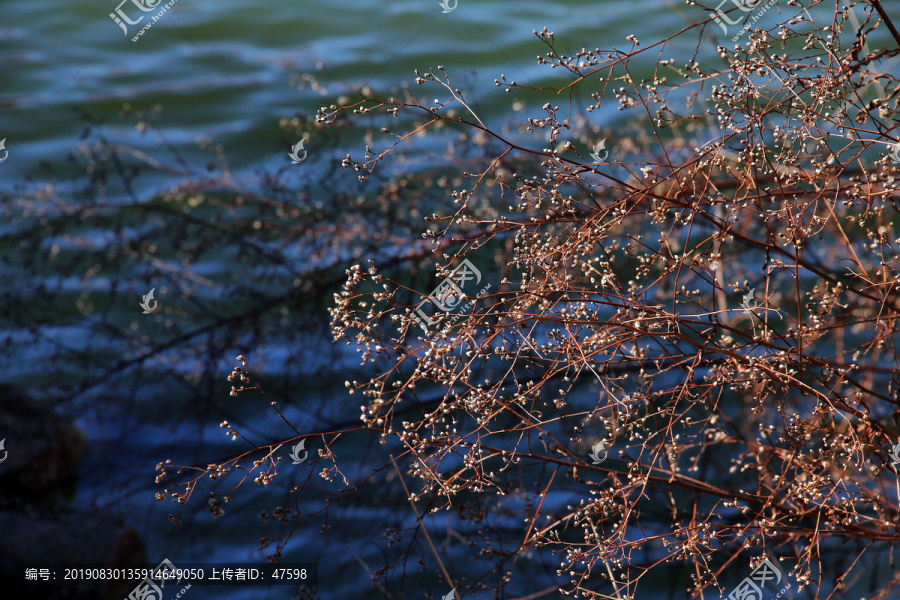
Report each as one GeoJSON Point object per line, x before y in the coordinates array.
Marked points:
{"type": "Point", "coordinates": [716, 302]}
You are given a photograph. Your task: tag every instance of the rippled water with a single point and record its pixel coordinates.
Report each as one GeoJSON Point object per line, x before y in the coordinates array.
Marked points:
{"type": "Point", "coordinates": [224, 69]}
{"type": "Point", "coordinates": [228, 71]}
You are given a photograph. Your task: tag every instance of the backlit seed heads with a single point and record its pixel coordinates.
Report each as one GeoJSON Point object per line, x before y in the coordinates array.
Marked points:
{"type": "Point", "coordinates": [718, 305]}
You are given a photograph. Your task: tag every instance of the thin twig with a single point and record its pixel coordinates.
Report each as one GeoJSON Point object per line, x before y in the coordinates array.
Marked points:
{"type": "Point", "coordinates": [424, 529]}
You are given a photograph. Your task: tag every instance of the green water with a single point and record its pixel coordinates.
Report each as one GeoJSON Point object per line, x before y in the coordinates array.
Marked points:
{"type": "Point", "coordinates": [229, 70]}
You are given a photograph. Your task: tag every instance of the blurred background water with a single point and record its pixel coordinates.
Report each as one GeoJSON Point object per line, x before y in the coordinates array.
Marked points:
{"type": "Point", "coordinates": [226, 70]}
{"type": "Point", "coordinates": [229, 71]}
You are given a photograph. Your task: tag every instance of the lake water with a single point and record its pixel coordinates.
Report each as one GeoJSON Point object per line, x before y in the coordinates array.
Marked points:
{"type": "Point", "coordinates": [224, 69]}
{"type": "Point", "coordinates": [229, 71]}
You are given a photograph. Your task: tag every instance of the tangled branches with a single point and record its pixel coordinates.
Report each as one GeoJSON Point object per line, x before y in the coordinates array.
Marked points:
{"type": "Point", "coordinates": [717, 305]}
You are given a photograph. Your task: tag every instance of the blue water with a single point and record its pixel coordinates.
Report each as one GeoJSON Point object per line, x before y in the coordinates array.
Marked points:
{"type": "Point", "coordinates": [229, 71]}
